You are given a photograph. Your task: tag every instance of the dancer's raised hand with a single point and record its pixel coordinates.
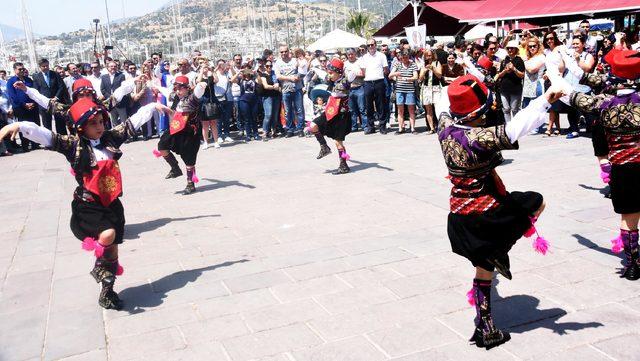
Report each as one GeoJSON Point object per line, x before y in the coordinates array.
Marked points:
{"type": "Point", "coordinates": [10, 130]}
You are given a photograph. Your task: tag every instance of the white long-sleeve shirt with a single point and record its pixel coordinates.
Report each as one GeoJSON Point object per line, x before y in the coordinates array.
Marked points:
{"type": "Point", "coordinates": [44, 136]}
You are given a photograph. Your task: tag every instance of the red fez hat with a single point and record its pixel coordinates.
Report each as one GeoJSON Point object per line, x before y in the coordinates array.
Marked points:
{"type": "Point", "coordinates": [336, 65]}
{"type": "Point", "coordinates": [468, 97]}
{"type": "Point", "coordinates": [85, 109]}
{"type": "Point", "coordinates": [624, 63]}
{"type": "Point", "coordinates": [485, 63]}
{"type": "Point", "coordinates": [181, 80]}
{"type": "Point", "coordinates": [81, 84]}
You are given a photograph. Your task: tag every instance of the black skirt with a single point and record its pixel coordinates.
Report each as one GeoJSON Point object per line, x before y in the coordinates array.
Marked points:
{"type": "Point", "coordinates": [89, 219]}
{"type": "Point", "coordinates": [478, 236]}
{"type": "Point", "coordinates": [625, 191]}
{"type": "Point", "coordinates": [186, 143]}
{"type": "Point", "coordinates": [336, 128]}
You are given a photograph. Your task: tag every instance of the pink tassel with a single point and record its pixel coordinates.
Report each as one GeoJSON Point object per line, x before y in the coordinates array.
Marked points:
{"type": "Point", "coordinates": [470, 297]}
{"type": "Point", "coordinates": [345, 156]}
{"type": "Point", "coordinates": [194, 177]}
{"type": "Point", "coordinates": [99, 251]}
{"type": "Point", "coordinates": [605, 177]}
{"type": "Point", "coordinates": [89, 244]}
{"type": "Point", "coordinates": [307, 130]}
{"type": "Point", "coordinates": [156, 153]}
{"type": "Point", "coordinates": [73, 172]}
{"type": "Point", "coordinates": [616, 245]}
{"type": "Point", "coordinates": [92, 244]}
{"type": "Point", "coordinates": [120, 270]}
{"type": "Point", "coordinates": [541, 245]}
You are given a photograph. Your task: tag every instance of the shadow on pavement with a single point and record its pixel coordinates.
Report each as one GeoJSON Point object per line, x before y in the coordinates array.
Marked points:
{"type": "Point", "coordinates": [362, 166]}
{"type": "Point", "coordinates": [217, 184]}
{"type": "Point", "coordinates": [588, 243]}
{"type": "Point", "coordinates": [137, 298]}
{"type": "Point", "coordinates": [133, 231]}
{"type": "Point", "coordinates": [604, 191]}
{"type": "Point", "coordinates": [520, 314]}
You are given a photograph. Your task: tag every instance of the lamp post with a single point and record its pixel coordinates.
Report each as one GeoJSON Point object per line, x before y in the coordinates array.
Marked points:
{"type": "Point", "coordinates": [415, 4]}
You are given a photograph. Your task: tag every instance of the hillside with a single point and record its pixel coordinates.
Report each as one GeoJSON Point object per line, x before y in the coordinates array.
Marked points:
{"type": "Point", "coordinates": [217, 27]}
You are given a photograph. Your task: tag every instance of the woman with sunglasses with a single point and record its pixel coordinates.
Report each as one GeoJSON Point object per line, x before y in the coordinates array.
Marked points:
{"type": "Point", "coordinates": [270, 92]}
{"type": "Point", "coordinates": [534, 68]}
{"type": "Point", "coordinates": [550, 42]}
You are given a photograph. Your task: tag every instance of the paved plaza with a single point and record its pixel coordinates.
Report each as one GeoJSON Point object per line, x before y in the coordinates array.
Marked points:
{"type": "Point", "coordinates": [276, 259]}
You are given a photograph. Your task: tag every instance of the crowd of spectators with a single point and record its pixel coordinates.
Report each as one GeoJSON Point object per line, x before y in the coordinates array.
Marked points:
{"type": "Point", "coordinates": [261, 98]}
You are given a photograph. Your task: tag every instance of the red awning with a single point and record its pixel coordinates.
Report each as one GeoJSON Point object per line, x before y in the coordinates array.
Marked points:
{"type": "Point", "coordinates": [493, 10]}
{"type": "Point", "coordinates": [438, 23]}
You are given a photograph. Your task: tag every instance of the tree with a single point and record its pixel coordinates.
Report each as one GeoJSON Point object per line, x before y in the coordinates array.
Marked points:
{"type": "Point", "coordinates": [360, 23]}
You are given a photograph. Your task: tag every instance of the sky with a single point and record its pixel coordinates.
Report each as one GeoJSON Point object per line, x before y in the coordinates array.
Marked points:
{"type": "Point", "coordinates": [52, 17]}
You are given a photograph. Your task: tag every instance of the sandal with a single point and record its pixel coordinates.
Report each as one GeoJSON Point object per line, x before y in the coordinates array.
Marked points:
{"type": "Point", "coordinates": [414, 132]}
{"type": "Point", "coordinates": [547, 133]}
{"type": "Point", "coordinates": [556, 132]}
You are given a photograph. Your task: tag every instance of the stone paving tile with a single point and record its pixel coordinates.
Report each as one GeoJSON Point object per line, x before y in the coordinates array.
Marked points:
{"type": "Point", "coordinates": [138, 346]}
{"type": "Point", "coordinates": [352, 349]}
{"type": "Point", "coordinates": [284, 314]}
{"type": "Point", "coordinates": [309, 288]}
{"type": "Point", "coordinates": [622, 347]}
{"type": "Point", "coordinates": [271, 342]}
{"type": "Point", "coordinates": [355, 298]}
{"type": "Point", "coordinates": [236, 303]}
{"type": "Point", "coordinates": [73, 332]}
{"type": "Point", "coordinates": [257, 281]}
{"type": "Point", "coordinates": [151, 320]}
{"type": "Point", "coordinates": [580, 353]}
{"type": "Point", "coordinates": [22, 332]}
{"type": "Point", "coordinates": [214, 329]}
{"type": "Point", "coordinates": [459, 351]}
{"type": "Point", "coordinates": [413, 337]}
{"type": "Point", "coordinates": [94, 355]}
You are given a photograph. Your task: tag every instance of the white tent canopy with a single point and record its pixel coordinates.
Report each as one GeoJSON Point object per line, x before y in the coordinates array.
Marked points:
{"type": "Point", "coordinates": [337, 39]}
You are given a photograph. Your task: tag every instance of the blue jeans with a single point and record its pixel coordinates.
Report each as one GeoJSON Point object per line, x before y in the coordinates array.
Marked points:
{"type": "Point", "coordinates": [293, 102]}
{"type": "Point", "coordinates": [269, 119]}
{"type": "Point", "coordinates": [246, 115]}
{"type": "Point", "coordinates": [227, 111]}
{"type": "Point", "coordinates": [357, 107]}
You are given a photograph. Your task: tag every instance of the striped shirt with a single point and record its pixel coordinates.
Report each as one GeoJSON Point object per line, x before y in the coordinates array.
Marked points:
{"type": "Point", "coordinates": [402, 85]}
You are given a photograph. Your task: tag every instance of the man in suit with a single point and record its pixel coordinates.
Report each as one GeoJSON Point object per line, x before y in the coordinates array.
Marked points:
{"type": "Point", "coordinates": [49, 84]}
{"type": "Point", "coordinates": [109, 83]}
{"type": "Point", "coordinates": [23, 107]}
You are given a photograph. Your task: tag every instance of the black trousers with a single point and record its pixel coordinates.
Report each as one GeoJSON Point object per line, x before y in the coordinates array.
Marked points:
{"type": "Point", "coordinates": [45, 117]}
{"type": "Point", "coordinates": [27, 115]}
{"type": "Point", "coordinates": [375, 94]}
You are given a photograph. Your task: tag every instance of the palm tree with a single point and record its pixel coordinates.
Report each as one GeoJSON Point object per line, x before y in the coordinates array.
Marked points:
{"type": "Point", "coordinates": [360, 22]}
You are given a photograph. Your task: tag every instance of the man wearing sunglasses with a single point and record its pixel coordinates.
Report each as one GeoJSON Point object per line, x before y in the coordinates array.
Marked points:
{"type": "Point", "coordinates": [374, 66]}
{"type": "Point", "coordinates": [286, 70]}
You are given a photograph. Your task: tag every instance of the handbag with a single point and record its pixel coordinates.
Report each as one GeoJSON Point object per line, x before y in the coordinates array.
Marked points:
{"type": "Point", "coordinates": [212, 107]}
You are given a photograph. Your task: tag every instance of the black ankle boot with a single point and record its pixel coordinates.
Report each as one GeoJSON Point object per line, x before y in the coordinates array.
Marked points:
{"type": "Point", "coordinates": [343, 167]}
{"type": "Point", "coordinates": [485, 334]}
{"type": "Point", "coordinates": [108, 297]}
{"type": "Point", "coordinates": [189, 189]}
{"type": "Point", "coordinates": [324, 151]}
{"type": "Point", "coordinates": [631, 270]}
{"type": "Point", "coordinates": [175, 167]}
{"type": "Point", "coordinates": [104, 271]}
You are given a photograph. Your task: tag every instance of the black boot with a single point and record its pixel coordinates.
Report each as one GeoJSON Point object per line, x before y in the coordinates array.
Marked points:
{"type": "Point", "coordinates": [324, 151]}
{"type": "Point", "coordinates": [631, 271]}
{"type": "Point", "coordinates": [108, 297]}
{"type": "Point", "coordinates": [486, 334]}
{"type": "Point", "coordinates": [343, 168]}
{"type": "Point", "coordinates": [175, 167]}
{"type": "Point", "coordinates": [104, 272]}
{"type": "Point", "coordinates": [189, 189]}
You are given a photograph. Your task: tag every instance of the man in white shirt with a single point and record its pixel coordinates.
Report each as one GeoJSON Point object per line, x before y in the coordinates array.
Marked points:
{"type": "Point", "coordinates": [374, 67]}
{"type": "Point", "coordinates": [286, 70]}
{"type": "Point", "coordinates": [95, 80]}
{"type": "Point", "coordinates": [74, 74]}
{"type": "Point", "coordinates": [356, 95]}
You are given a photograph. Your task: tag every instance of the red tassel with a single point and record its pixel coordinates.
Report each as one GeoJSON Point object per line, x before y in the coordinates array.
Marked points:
{"type": "Point", "coordinates": [616, 245]}
{"type": "Point", "coordinates": [120, 270]}
{"type": "Point", "coordinates": [530, 232]}
{"type": "Point", "coordinates": [541, 245]}
{"type": "Point", "coordinates": [156, 153]}
{"type": "Point", "coordinates": [471, 297]}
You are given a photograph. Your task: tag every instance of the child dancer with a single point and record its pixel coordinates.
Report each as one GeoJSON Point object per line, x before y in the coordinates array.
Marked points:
{"type": "Point", "coordinates": [183, 136]}
{"type": "Point", "coordinates": [97, 215]}
{"type": "Point", "coordinates": [335, 121]}
{"type": "Point", "coordinates": [486, 220]}
{"type": "Point", "coordinates": [619, 114]}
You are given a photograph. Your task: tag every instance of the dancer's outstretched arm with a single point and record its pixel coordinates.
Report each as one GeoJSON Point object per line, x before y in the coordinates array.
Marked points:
{"type": "Point", "coordinates": [533, 116]}
{"type": "Point", "coordinates": [29, 130]}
